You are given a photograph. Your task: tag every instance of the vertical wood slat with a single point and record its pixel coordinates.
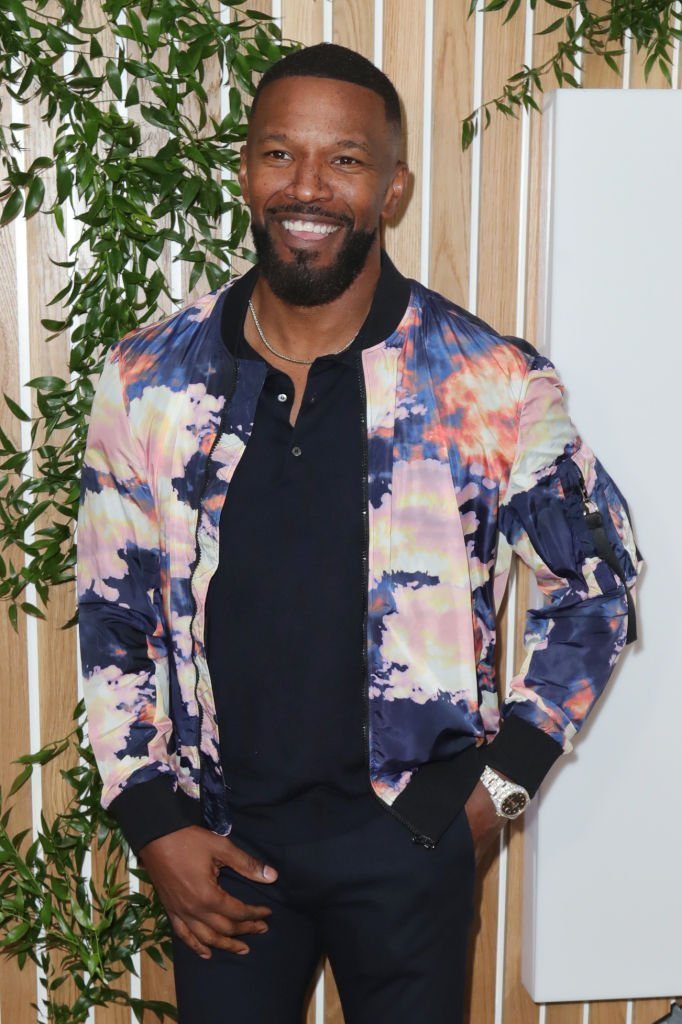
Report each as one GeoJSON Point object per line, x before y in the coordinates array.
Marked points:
{"type": "Point", "coordinates": [564, 1013]}
{"type": "Point", "coordinates": [647, 1011]}
{"type": "Point", "coordinates": [303, 21]}
{"type": "Point", "coordinates": [517, 1004]}
{"type": "Point", "coordinates": [543, 48]}
{"type": "Point", "coordinates": [403, 62]}
{"type": "Point", "coordinates": [353, 25]}
{"type": "Point", "coordinates": [500, 180]}
{"type": "Point", "coordinates": [453, 72]}
{"type": "Point", "coordinates": [596, 73]}
{"type": "Point", "coordinates": [608, 1011]}
{"type": "Point", "coordinates": [17, 988]}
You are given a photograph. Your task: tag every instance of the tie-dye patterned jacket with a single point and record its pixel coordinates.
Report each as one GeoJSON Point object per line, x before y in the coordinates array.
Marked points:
{"type": "Point", "coordinates": [470, 454]}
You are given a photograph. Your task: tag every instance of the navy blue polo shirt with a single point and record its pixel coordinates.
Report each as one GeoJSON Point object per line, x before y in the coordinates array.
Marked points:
{"type": "Point", "coordinates": [285, 608]}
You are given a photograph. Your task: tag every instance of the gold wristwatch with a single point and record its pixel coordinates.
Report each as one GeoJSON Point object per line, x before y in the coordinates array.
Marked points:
{"type": "Point", "coordinates": [510, 799]}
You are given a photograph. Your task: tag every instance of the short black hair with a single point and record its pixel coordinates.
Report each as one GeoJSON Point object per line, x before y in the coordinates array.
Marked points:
{"type": "Point", "coordinates": [329, 60]}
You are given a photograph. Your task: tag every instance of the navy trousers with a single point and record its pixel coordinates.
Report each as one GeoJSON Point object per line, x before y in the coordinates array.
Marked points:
{"type": "Point", "coordinates": [392, 917]}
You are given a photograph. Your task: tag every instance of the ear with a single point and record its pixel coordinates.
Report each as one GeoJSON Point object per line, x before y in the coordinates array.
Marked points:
{"type": "Point", "coordinates": [242, 176]}
{"type": "Point", "coordinates": [395, 190]}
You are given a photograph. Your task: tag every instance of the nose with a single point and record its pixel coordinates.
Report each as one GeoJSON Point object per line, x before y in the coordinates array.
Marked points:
{"type": "Point", "coordinates": [308, 182]}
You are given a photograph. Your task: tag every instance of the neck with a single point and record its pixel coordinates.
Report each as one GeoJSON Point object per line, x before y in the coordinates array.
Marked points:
{"type": "Point", "coordinates": [306, 332]}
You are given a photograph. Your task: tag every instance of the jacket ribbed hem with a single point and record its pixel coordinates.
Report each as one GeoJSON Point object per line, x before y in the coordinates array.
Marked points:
{"type": "Point", "coordinates": [522, 752]}
{"type": "Point", "coordinates": [439, 790]}
{"type": "Point", "coordinates": [149, 810]}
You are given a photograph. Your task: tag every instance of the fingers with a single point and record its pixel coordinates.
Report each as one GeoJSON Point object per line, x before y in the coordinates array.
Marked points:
{"type": "Point", "coordinates": [223, 926]}
{"type": "Point", "coordinates": [244, 863]}
{"type": "Point", "coordinates": [202, 939]}
{"type": "Point", "coordinates": [188, 937]}
{"type": "Point", "coordinates": [231, 907]}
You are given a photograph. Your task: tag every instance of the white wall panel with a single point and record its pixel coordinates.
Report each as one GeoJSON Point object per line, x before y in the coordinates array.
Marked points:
{"type": "Point", "coordinates": [604, 914]}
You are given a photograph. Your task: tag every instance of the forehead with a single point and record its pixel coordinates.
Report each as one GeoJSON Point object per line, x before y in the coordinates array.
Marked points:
{"type": "Point", "coordinates": [320, 107]}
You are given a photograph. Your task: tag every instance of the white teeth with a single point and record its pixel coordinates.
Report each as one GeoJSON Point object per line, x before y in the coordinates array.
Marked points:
{"type": "Point", "coordinates": [308, 225]}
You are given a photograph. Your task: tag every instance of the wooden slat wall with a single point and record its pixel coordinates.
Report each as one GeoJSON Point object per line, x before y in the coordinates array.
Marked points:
{"type": "Point", "coordinates": [484, 213]}
{"type": "Point", "coordinates": [17, 989]}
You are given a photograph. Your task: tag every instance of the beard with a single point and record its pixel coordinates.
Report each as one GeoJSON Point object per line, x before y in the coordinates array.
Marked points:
{"type": "Point", "coordinates": [299, 282]}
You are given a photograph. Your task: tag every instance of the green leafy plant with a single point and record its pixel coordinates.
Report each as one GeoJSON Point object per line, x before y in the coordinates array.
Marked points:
{"type": "Point", "coordinates": [653, 26]}
{"type": "Point", "coordinates": [55, 915]}
{"type": "Point", "coordinates": [132, 203]}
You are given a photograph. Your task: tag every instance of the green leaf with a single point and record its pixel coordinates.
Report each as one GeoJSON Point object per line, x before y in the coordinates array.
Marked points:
{"type": "Point", "coordinates": [12, 207]}
{"type": "Point", "coordinates": [34, 199]}
{"type": "Point", "coordinates": [551, 28]}
{"type": "Point", "coordinates": [190, 191]}
{"type": "Point", "coordinates": [16, 933]}
{"type": "Point", "coordinates": [16, 8]}
{"type": "Point", "coordinates": [114, 79]}
{"type": "Point", "coordinates": [16, 410]}
{"type": "Point", "coordinates": [159, 117]}
{"type": "Point", "coordinates": [512, 10]}
{"type": "Point", "coordinates": [235, 104]}
{"type": "Point", "coordinates": [25, 773]}
{"type": "Point", "coordinates": [132, 95]}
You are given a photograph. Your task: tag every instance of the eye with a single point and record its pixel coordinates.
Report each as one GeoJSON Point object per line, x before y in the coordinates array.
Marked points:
{"type": "Point", "coordinates": [348, 161]}
{"type": "Point", "coordinates": [277, 154]}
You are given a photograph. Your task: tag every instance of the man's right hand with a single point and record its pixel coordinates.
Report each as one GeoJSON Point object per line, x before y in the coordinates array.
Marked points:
{"type": "Point", "coordinates": [184, 868]}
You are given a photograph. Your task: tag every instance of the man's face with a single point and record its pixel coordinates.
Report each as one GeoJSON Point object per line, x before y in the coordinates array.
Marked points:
{"type": "Point", "coordinates": [319, 172]}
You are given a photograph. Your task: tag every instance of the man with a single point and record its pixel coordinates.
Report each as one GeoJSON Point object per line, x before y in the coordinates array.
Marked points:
{"type": "Point", "coordinates": [300, 499]}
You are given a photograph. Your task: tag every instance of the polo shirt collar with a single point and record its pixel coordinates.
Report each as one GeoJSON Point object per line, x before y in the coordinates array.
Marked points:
{"type": "Point", "coordinates": [391, 298]}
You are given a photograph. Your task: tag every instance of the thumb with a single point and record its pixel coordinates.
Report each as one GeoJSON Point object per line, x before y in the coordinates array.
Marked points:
{"type": "Point", "coordinates": [231, 855]}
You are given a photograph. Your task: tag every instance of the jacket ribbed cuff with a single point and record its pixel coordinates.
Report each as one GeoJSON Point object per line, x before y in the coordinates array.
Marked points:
{"type": "Point", "coordinates": [149, 810]}
{"type": "Point", "coordinates": [522, 752]}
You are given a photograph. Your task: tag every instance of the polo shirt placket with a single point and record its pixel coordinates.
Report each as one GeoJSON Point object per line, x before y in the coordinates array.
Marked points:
{"type": "Point", "coordinates": [285, 608]}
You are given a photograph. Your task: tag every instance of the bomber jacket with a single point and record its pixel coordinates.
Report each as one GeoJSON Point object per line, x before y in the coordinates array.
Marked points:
{"type": "Point", "coordinates": [469, 456]}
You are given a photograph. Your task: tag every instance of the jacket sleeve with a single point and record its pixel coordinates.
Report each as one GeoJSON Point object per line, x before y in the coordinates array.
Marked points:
{"type": "Point", "coordinates": [566, 519]}
{"type": "Point", "coordinates": [123, 645]}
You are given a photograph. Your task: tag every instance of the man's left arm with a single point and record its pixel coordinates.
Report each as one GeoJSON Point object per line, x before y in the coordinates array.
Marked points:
{"type": "Point", "coordinates": [567, 520]}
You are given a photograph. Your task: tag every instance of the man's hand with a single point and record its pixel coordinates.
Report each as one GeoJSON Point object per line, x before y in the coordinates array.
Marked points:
{"type": "Point", "coordinates": [484, 822]}
{"type": "Point", "coordinates": [184, 868]}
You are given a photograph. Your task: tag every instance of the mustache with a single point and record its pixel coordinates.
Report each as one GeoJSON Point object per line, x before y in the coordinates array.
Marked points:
{"type": "Point", "coordinates": [311, 210]}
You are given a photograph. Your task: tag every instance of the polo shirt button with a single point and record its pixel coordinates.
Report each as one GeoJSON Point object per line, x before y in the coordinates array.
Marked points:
{"type": "Point", "coordinates": [296, 450]}
{"type": "Point", "coordinates": [282, 397]}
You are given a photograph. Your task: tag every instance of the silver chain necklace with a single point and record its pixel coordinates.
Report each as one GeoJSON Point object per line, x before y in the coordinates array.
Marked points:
{"type": "Point", "coordinates": [291, 359]}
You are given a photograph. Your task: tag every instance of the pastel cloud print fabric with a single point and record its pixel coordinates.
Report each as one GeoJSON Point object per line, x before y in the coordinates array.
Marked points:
{"type": "Point", "coordinates": [470, 456]}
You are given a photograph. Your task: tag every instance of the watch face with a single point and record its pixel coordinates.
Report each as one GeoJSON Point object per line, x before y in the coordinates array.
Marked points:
{"type": "Point", "coordinates": [513, 804]}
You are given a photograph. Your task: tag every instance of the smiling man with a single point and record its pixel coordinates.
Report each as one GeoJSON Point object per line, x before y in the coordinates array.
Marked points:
{"type": "Point", "coordinates": [299, 502]}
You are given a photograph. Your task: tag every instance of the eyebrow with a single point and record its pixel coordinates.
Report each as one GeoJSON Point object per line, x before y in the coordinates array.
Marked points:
{"type": "Point", "coordinates": [351, 144]}
{"type": "Point", "coordinates": [339, 143]}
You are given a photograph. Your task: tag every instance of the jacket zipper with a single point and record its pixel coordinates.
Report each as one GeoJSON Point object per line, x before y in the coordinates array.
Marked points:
{"type": "Point", "coordinates": [604, 549]}
{"type": "Point", "coordinates": [420, 840]}
{"type": "Point", "coordinates": [200, 711]}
